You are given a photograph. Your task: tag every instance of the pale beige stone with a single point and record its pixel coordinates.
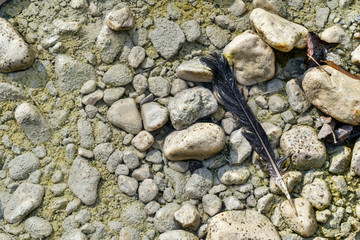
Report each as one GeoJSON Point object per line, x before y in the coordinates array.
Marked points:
{"type": "Point", "coordinates": [355, 56]}
{"type": "Point", "coordinates": [194, 71]}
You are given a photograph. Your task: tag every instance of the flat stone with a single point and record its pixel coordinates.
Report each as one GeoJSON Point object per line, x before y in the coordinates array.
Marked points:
{"type": "Point", "coordinates": [199, 141]}
{"type": "Point", "coordinates": [278, 32]}
{"type": "Point", "coordinates": [83, 180]}
{"type": "Point", "coordinates": [193, 70]}
{"type": "Point", "coordinates": [317, 193]}
{"type": "Point", "coordinates": [72, 73]}
{"type": "Point", "coordinates": [119, 20]}
{"type": "Point", "coordinates": [164, 218]}
{"type": "Point", "coordinates": [307, 152]}
{"type": "Point", "coordinates": [38, 227]}
{"type": "Point", "coordinates": [167, 37]}
{"type": "Point", "coordinates": [66, 27]}
{"type": "Point", "coordinates": [154, 116]}
{"type": "Point", "coordinates": [355, 159]}
{"type": "Point", "coordinates": [337, 95]}
{"type": "Point", "coordinates": [148, 190]}
{"type": "Point", "coordinates": [199, 183]}
{"type": "Point", "coordinates": [177, 180]}
{"type": "Point", "coordinates": [15, 53]}
{"type": "Point", "coordinates": [33, 123]}
{"type": "Point", "coordinates": [322, 16]}
{"type": "Point", "coordinates": [124, 114]}
{"type": "Point", "coordinates": [136, 56]}
{"type": "Point", "coordinates": [26, 198]}
{"type": "Point", "coordinates": [233, 175]}
{"type": "Point", "coordinates": [296, 97]}
{"type": "Point", "coordinates": [243, 224]}
{"type": "Point", "coordinates": [118, 75]}
{"type": "Point", "coordinates": [9, 92]}
{"type": "Point", "coordinates": [355, 56]}
{"type": "Point", "coordinates": [191, 104]}
{"type": "Point", "coordinates": [304, 222]}
{"type": "Point", "coordinates": [217, 36]}
{"type": "Point", "coordinates": [192, 30]}
{"type": "Point", "coordinates": [252, 58]}
{"type": "Point", "coordinates": [22, 166]}
{"type": "Point", "coordinates": [177, 235]}
{"type": "Point", "coordinates": [240, 148]}
{"type": "Point", "coordinates": [109, 44]}
{"type": "Point", "coordinates": [333, 34]}
{"type": "Point", "coordinates": [159, 86]}
{"type": "Point", "coordinates": [92, 98]}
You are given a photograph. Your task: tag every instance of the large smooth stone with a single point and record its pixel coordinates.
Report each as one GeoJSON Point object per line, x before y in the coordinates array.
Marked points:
{"type": "Point", "coordinates": [252, 58]}
{"type": "Point", "coordinates": [241, 225]}
{"type": "Point", "coordinates": [278, 32]}
{"type": "Point", "coordinates": [15, 53]}
{"type": "Point", "coordinates": [337, 95]}
{"type": "Point", "coordinates": [200, 141]}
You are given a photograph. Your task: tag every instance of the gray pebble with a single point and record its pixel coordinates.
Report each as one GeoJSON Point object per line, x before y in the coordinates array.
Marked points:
{"type": "Point", "coordinates": [154, 156]}
{"type": "Point", "coordinates": [136, 56]}
{"type": "Point", "coordinates": [109, 44]}
{"type": "Point", "coordinates": [9, 92]}
{"type": "Point", "coordinates": [177, 86]}
{"type": "Point", "coordinates": [83, 216]}
{"type": "Point", "coordinates": [118, 75]}
{"type": "Point", "coordinates": [152, 208]}
{"type": "Point", "coordinates": [212, 204]}
{"type": "Point", "coordinates": [93, 97]}
{"type": "Point", "coordinates": [340, 160]}
{"type": "Point", "coordinates": [232, 203]}
{"type": "Point", "coordinates": [148, 190]}
{"type": "Point", "coordinates": [72, 206]}
{"type": "Point", "coordinates": [159, 86]}
{"type": "Point", "coordinates": [58, 189]}
{"type": "Point", "coordinates": [91, 111]}
{"type": "Point", "coordinates": [217, 36]}
{"type": "Point", "coordinates": [154, 116]}
{"type": "Point", "coordinates": [140, 83]}
{"type": "Point", "coordinates": [142, 173]}
{"type": "Point", "coordinates": [22, 166]}
{"type": "Point", "coordinates": [120, 20]}
{"type": "Point", "coordinates": [143, 141]}
{"type": "Point", "coordinates": [322, 16]}
{"type": "Point", "coordinates": [57, 176]}
{"type": "Point", "coordinates": [233, 175]}
{"type": "Point", "coordinates": [240, 148]}
{"type": "Point", "coordinates": [114, 160]}
{"type": "Point", "coordinates": [168, 194]}
{"type": "Point", "coordinates": [317, 193]}
{"type": "Point", "coordinates": [129, 233]}
{"type": "Point", "coordinates": [188, 216]}
{"type": "Point", "coordinates": [75, 234]}
{"type": "Point", "coordinates": [85, 153]}
{"type": "Point", "coordinates": [111, 95]}
{"type": "Point", "coordinates": [128, 185]}
{"type": "Point", "coordinates": [277, 104]}
{"type": "Point", "coordinates": [164, 219]}
{"type": "Point", "coordinates": [296, 97]}
{"type": "Point", "coordinates": [88, 87]}
{"type": "Point", "coordinates": [86, 133]}
{"type": "Point", "coordinates": [131, 159]}
{"type": "Point", "coordinates": [122, 169]}
{"type": "Point", "coordinates": [191, 30]}
{"type": "Point", "coordinates": [103, 151]}
{"type": "Point", "coordinates": [265, 203]}
{"type": "Point", "coordinates": [199, 183]}
{"type": "Point", "coordinates": [38, 227]}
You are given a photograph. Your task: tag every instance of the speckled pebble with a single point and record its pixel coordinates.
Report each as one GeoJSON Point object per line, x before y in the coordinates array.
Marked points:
{"type": "Point", "coordinates": [212, 204]}
{"type": "Point", "coordinates": [118, 75]}
{"type": "Point", "coordinates": [164, 219]}
{"type": "Point", "coordinates": [131, 159]}
{"type": "Point", "coordinates": [119, 20]}
{"type": "Point", "coordinates": [317, 193]}
{"type": "Point", "coordinates": [233, 175]}
{"type": "Point", "coordinates": [154, 116]}
{"type": "Point", "coordinates": [143, 141]}
{"type": "Point", "coordinates": [111, 95]}
{"type": "Point", "coordinates": [38, 227]}
{"type": "Point", "coordinates": [159, 86]}
{"type": "Point", "coordinates": [128, 185]}
{"type": "Point", "coordinates": [136, 56]}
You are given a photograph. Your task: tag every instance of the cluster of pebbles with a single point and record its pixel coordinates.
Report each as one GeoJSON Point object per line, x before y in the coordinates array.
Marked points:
{"type": "Point", "coordinates": [127, 140]}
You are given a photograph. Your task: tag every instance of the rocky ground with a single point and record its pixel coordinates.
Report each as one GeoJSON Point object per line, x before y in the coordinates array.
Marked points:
{"type": "Point", "coordinates": [109, 128]}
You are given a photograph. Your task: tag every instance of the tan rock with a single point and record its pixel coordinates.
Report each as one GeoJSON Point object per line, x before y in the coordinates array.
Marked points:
{"type": "Point", "coordinates": [355, 56]}
{"type": "Point", "coordinates": [195, 71]}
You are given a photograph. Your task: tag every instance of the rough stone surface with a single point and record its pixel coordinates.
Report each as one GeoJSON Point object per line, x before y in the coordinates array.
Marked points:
{"type": "Point", "coordinates": [9, 92]}
{"type": "Point", "coordinates": [33, 123]}
{"type": "Point", "coordinates": [128, 185]}
{"type": "Point", "coordinates": [274, 6]}
{"type": "Point", "coordinates": [212, 204]}
{"type": "Point", "coordinates": [72, 73]}
{"type": "Point", "coordinates": [154, 116]}
{"type": "Point", "coordinates": [22, 166]}
{"type": "Point", "coordinates": [85, 132]}
{"type": "Point", "coordinates": [83, 180]}
{"type": "Point", "coordinates": [167, 37]}
{"type": "Point", "coordinates": [109, 44]}
{"type": "Point", "coordinates": [26, 198]}
{"type": "Point", "coordinates": [252, 58]}
{"type": "Point", "coordinates": [355, 56]}
{"type": "Point", "coordinates": [355, 159]}
{"type": "Point", "coordinates": [337, 95]}
{"type": "Point", "coordinates": [191, 104]}
{"type": "Point", "coordinates": [333, 34]}
{"type": "Point", "coordinates": [148, 190]}
{"type": "Point", "coordinates": [177, 235]}
{"type": "Point", "coordinates": [238, 8]}
{"type": "Point", "coordinates": [38, 227]}
{"type": "Point", "coordinates": [142, 141]}
{"type": "Point", "coordinates": [124, 114]}
{"type": "Point", "coordinates": [322, 16]}
{"type": "Point", "coordinates": [119, 20]}
{"type": "Point", "coordinates": [192, 30]}
{"type": "Point", "coordinates": [340, 160]}
{"type": "Point", "coordinates": [304, 222]}
{"type": "Point", "coordinates": [240, 148]}
{"type": "Point", "coordinates": [188, 216]}
{"type": "Point", "coordinates": [297, 97]}
{"type": "Point", "coordinates": [136, 56]}
{"type": "Point", "coordinates": [118, 75]}
{"type": "Point", "coordinates": [193, 70]}
{"type": "Point", "coordinates": [15, 53]}
{"type": "Point", "coordinates": [199, 183]}
{"type": "Point", "coordinates": [278, 32]}
{"type": "Point", "coordinates": [317, 193]}
{"type": "Point", "coordinates": [307, 151]}
{"type": "Point", "coordinates": [199, 141]}
{"type": "Point", "coordinates": [217, 36]}
{"type": "Point", "coordinates": [233, 175]}
{"type": "Point", "coordinates": [244, 224]}
{"type": "Point", "coordinates": [164, 218]}
{"type": "Point", "coordinates": [159, 86]}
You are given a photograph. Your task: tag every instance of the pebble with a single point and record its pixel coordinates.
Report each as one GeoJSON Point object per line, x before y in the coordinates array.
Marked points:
{"type": "Point", "coordinates": [355, 159]}
{"type": "Point", "coordinates": [142, 141]}
{"type": "Point", "coordinates": [355, 56]}
{"type": "Point", "coordinates": [33, 123]}
{"type": "Point", "coordinates": [124, 114]}
{"type": "Point", "coordinates": [340, 160]}
{"type": "Point", "coordinates": [273, 132]}
{"type": "Point", "coordinates": [317, 193]}
{"type": "Point", "coordinates": [118, 75]}
{"type": "Point", "coordinates": [253, 225]}
{"type": "Point", "coordinates": [273, 6]}
{"type": "Point", "coordinates": [119, 20]}
{"type": "Point", "coordinates": [217, 36]}
{"type": "Point", "coordinates": [339, 185]}
{"type": "Point", "coordinates": [92, 98]}
{"type": "Point", "coordinates": [322, 16]}
{"type": "Point", "coordinates": [199, 183]}
{"type": "Point", "coordinates": [304, 222]}
{"type": "Point", "coordinates": [164, 219]}
{"type": "Point", "coordinates": [129, 233]}
{"type": "Point", "coordinates": [265, 203]}
{"type": "Point", "coordinates": [15, 53]}
{"type": "Point", "coordinates": [109, 44]}
{"type": "Point", "coordinates": [323, 216]}
{"type": "Point", "coordinates": [193, 70]}
{"type": "Point", "coordinates": [191, 104]}
{"type": "Point", "coordinates": [288, 34]}
{"type": "Point", "coordinates": [72, 206]}
{"type": "Point", "coordinates": [38, 227]}
{"type": "Point", "coordinates": [22, 166]}
{"type": "Point", "coordinates": [131, 159]}
{"type": "Point", "coordinates": [252, 58]}
{"type": "Point", "coordinates": [140, 84]}
{"type": "Point", "coordinates": [85, 132]}
{"type": "Point", "coordinates": [148, 190]}
{"type": "Point", "coordinates": [58, 189]}
{"type": "Point", "coordinates": [212, 204]}
{"type": "Point", "coordinates": [9, 92]}
{"type": "Point", "coordinates": [128, 185]}
{"type": "Point", "coordinates": [83, 180]}
{"type": "Point", "coordinates": [333, 34]}
{"type": "Point", "coordinates": [238, 8]}
{"type": "Point", "coordinates": [307, 151]}
{"type": "Point", "coordinates": [233, 175]}
{"type": "Point", "coordinates": [72, 73]}
{"type": "Point", "coordinates": [111, 95]}
{"type": "Point", "coordinates": [296, 97]}
{"type": "Point", "coordinates": [154, 156]}
{"type": "Point", "coordinates": [103, 151]}
{"type": "Point", "coordinates": [159, 86]}
{"type": "Point", "coordinates": [26, 198]}
{"type": "Point", "coordinates": [277, 104]}
{"type": "Point", "coordinates": [154, 116]}
{"type": "Point", "coordinates": [177, 86]}
{"type": "Point", "coordinates": [114, 160]}
{"type": "Point", "coordinates": [188, 216]}
{"type": "Point", "coordinates": [291, 179]}
{"type": "Point", "coordinates": [152, 207]}
{"type": "Point", "coordinates": [74, 234]}
{"type": "Point", "coordinates": [240, 148]}
{"type": "Point", "coordinates": [177, 180]}
{"type": "Point", "coordinates": [340, 102]}
{"type": "Point", "coordinates": [136, 56]}
{"type": "Point", "coordinates": [192, 30]}
{"type": "Point", "coordinates": [167, 37]}
{"type": "Point", "coordinates": [122, 169]}
{"type": "Point", "coordinates": [199, 141]}
{"type": "Point", "coordinates": [177, 235]}
{"type": "Point", "coordinates": [142, 173]}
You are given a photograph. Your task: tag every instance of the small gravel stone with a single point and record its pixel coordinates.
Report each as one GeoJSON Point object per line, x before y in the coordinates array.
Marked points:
{"type": "Point", "coordinates": [297, 97]}
{"type": "Point", "coordinates": [233, 175]}
{"type": "Point", "coordinates": [131, 159]}
{"type": "Point", "coordinates": [119, 20]}
{"type": "Point", "coordinates": [273, 6]}
{"type": "Point", "coordinates": [168, 194]}
{"type": "Point", "coordinates": [194, 71]}
{"type": "Point", "coordinates": [240, 148]}
{"type": "Point", "coordinates": [212, 204]}
{"type": "Point", "coordinates": [188, 216]}
{"type": "Point", "coordinates": [85, 132]}
{"type": "Point", "coordinates": [291, 179]}
{"type": "Point", "coordinates": [136, 56]}
{"type": "Point", "coordinates": [148, 190]}
{"type": "Point", "coordinates": [177, 86]}
{"type": "Point", "coordinates": [141, 173]}
{"type": "Point", "coordinates": [304, 222]}
{"type": "Point", "coordinates": [177, 180]}
{"type": "Point", "coordinates": [322, 16]}
{"type": "Point", "coordinates": [85, 153]}
{"type": "Point", "coordinates": [9, 92]}
{"type": "Point", "coordinates": [109, 44]}
{"type": "Point", "coordinates": [26, 198]}
{"type": "Point", "coordinates": [118, 75]}
{"type": "Point", "coordinates": [154, 116]}
{"type": "Point", "coordinates": [103, 151]}
{"type": "Point", "coordinates": [317, 193]}
{"type": "Point", "coordinates": [277, 104]}
{"type": "Point", "coordinates": [92, 98]}
{"type": "Point", "coordinates": [140, 83]}
{"type": "Point", "coordinates": [129, 233]}
{"type": "Point", "coordinates": [333, 34]}
{"type": "Point", "coordinates": [159, 86]}
{"type": "Point", "coordinates": [58, 189]}
{"type": "Point", "coordinates": [340, 160]}
{"type": "Point", "coordinates": [57, 176]}
{"type": "Point", "coordinates": [122, 169]}
{"type": "Point", "coordinates": [128, 185]}
{"type": "Point", "coordinates": [152, 208]}
{"type": "Point", "coordinates": [323, 216]}
{"type": "Point", "coordinates": [355, 160]}
{"type": "Point", "coordinates": [199, 183]}
{"type": "Point", "coordinates": [22, 166]}
{"type": "Point", "coordinates": [177, 235]}
{"type": "Point", "coordinates": [72, 206]}
{"type": "Point", "coordinates": [38, 227]}
{"type": "Point", "coordinates": [238, 8]}
{"type": "Point", "coordinates": [91, 111]}
{"type": "Point", "coordinates": [355, 56]}
{"type": "Point", "coordinates": [143, 141]}
{"type": "Point", "coordinates": [217, 36]}
{"type": "Point", "coordinates": [288, 116]}
{"type": "Point", "coordinates": [111, 95]}
{"type": "Point", "coordinates": [232, 203]}
{"type": "Point", "coordinates": [192, 30]}
{"type": "Point", "coordinates": [164, 219]}
{"type": "Point", "coordinates": [88, 87]}
{"type": "Point", "coordinates": [339, 185]}
{"type": "Point", "coordinates": [114, 160]}
{"type": "Point", "coordinates": [73, 234]}
{"type": "Point", "coordinates": [265, 203]}
{"type": "Point", "coordinates": [154, 156]}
